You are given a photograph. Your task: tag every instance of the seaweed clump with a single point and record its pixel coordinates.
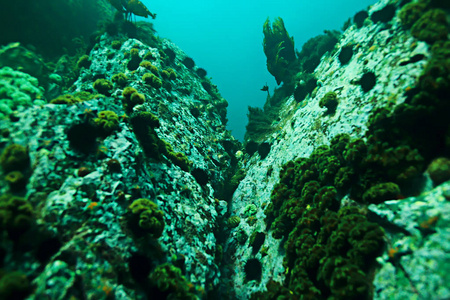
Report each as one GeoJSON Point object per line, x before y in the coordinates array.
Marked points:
{"type": "Point", "coordinates": [410, 13]}
{"type": "Point", "coordinates": [431, 26]}
{"type": "Point", "coordinates": [325, 243]}
{"type": "Point", "coordinates": [330, 101]}
{"type": "Point", "coordinates": [279, 50]}
{"type": "Point", "coordinates": [144, 125]}
{"type": "Point", "coordinates": [168, 282]}
{"type": "Point", "coordinates": [315, 48]}
{"type": "Point", "coordinates": [146, 217]}
{"type": "Point", "coordinates": [16, 216]}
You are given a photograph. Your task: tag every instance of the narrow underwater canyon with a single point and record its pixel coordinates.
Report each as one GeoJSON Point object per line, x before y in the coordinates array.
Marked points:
{"type": "Point", "coordinates": [120, 180]}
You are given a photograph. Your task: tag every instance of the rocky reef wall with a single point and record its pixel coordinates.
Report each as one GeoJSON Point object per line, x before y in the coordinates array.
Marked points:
{"type": "Point", "coordinates": [340, 204]}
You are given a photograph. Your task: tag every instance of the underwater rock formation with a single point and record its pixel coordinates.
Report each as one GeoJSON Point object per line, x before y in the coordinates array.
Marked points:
{"type": "Point", "coordinates": [364, 163]}
{"type": "Point", "coordinates": [104, 170]}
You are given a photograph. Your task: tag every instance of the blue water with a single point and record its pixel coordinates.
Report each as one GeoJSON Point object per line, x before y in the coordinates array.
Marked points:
{"type": "Point", "coordinates": [225, 38]}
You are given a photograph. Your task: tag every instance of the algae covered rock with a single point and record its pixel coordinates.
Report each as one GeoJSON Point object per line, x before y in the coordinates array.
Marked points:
{"type": "Point", "coordinates": [439, 170]}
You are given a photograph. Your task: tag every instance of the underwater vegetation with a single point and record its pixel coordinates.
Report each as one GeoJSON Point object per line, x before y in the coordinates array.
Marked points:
{"type": "Point", "coordinates": [431, 26]}
{"type": "Point", "coordinates": [14, 285]}
{"type": "Point", "coordinates": [146, 216]}
{"type": "Point", "coordinates": [331, 250]}
{"type": "Point", "coordinates": [324, 242]}
{"type": "Point", "coordinates": [113, 173]}
{"type": "Point", "coordinates": [292, 68]}
{"type": "Point", "coordinates": [16, 216]}
{"type": "Point", "coordinates": [144, 125]}
{"type": "Point", "coordinates": [330, 101]}
{"type": "Point", "coordinates": [313, 50]}
{"type": "Point", "coordinates": [258, 122]}
{"type": "Point", "coordinates": [168, 282]}
{"type": "Point", "coordinates": [279, 49]}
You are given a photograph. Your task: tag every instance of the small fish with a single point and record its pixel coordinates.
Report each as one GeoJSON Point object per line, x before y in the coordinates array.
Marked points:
{"type": "Point", "coordinates": [265, 88]}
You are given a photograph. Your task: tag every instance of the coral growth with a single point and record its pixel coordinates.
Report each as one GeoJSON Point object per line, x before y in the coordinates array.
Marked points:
{"type": "Point", "coordinates": [432, 26]}
{"type": "Point", "coordinates": [107, 121]}
{"type": "Point", "coordinates": [146, 215]}
{"type": "Point", "coordinates": [14, 158]}
{"type": "Point", "coordinates": [16, 215]}
{"type": "Point", "coordinates": [330, 101]}
{"type": "Point", "coordinates": [103, 86]}
{"type": "Point", "coordinates": [152, 80]}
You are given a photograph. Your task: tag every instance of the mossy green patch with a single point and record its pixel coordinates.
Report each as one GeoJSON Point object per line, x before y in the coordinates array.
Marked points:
{"type": "Point", "coordinates": [103, 86]}
{"type": "Point", "coordinates": [16, 215]}
{"type": "Point", "coordinates": [107, 122]}
{"type": "Point", "coordinates": [14, 158]}
{"type": "Point", "coordinates": [120, 79]}
{"type": "Point", "coordinates": [432, 26]}
{"type": "Point", "coordinates": [147, 216]}
{"type": "Point", "coordinates": [152, 80]}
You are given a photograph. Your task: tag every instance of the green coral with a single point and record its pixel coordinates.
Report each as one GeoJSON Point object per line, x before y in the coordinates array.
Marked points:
{"type": "Point", "coordinates": [411, 12]}
{"type": "Point", "coordinates": [169, 281]}
{"type": "Point", "coordinates": [330, 101]}
{"type": "Point", "coordinates": [131, 98]}
{"type": "Point", "coordinates": [279, 50]}
{"type": "Point", "coordinates": [120, 79]}
{"type": "Point", "coordinates": [18, 89]}
{"type": "Point", "coordinates": [14, 158]}
{"type": "Point", "coordinates": [14, 286]}
{"type": "Point", "coordinates": [152, 80]}
{"type": "Point", "coordinates": [67, 99]}
{"type": "Point", "coordinates": [103, 86]}
{"type": "Point", "coordinates": [381, 192]}
{"type": "Point", "coordinates": [147, 216]}
{"type": "Point", "coordinates": [431, 27]}
{"type": "Point", "coordinates": [107, 122]}
{"type": "Point", "coordinates": [144, 124]}
{"type": "Point", "coordinates": [16, 215]}
{"type": "Point", "coordinates": [84, 62]}
{"type": "Point", "coordinates": [149, 66]}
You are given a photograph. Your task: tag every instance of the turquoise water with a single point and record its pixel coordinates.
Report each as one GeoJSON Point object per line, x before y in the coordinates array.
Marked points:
{"type": "Point", "coordinates": [225, 38]}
